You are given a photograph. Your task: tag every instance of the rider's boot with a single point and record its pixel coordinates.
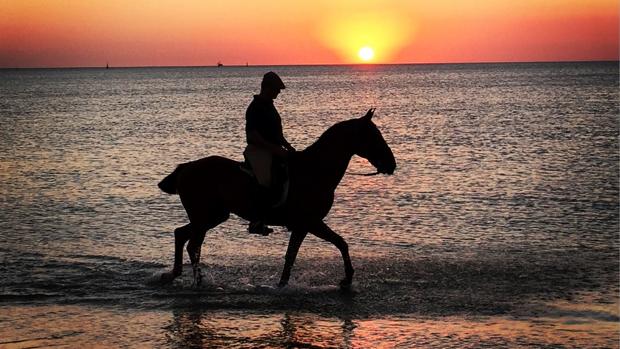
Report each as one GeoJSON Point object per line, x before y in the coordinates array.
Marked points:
{"type": "Point", "coordinates": [262, 203]}
{"type": "Point", "coordinates": [258, 227]}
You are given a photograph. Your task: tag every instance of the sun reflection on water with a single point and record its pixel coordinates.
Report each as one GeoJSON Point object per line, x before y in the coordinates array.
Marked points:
{"type": "Point", "coordinates": [71, 325]}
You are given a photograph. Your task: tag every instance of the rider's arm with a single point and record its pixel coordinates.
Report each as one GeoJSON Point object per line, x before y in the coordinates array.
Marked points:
{"type": "Point", "coordinates": [255, 138]}
{"type": "Point", "coordinates": [283, 140]}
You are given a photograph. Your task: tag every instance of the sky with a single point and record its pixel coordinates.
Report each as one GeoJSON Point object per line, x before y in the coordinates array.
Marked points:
{"type": "Point", "coordinates": [76, 33]}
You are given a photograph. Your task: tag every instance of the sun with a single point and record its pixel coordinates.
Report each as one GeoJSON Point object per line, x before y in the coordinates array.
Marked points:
{"type": "Point", "coordinates": [372, 36]}
{"type": "Point", "coordinates": [366, 53]}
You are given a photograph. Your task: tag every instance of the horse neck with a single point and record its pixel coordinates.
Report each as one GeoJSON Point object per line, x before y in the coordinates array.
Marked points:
{"type": "Point", "coordinates": [328, 158]}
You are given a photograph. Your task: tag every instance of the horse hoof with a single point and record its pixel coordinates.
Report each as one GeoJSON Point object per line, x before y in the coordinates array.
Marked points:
{"type": "Point", "coordinates": [197, 279]}
{"type": "Point", "coordinates": [345, 285]}
{"type": "Point", "coordinates": [197, 282]}
{"type": "Point", "coordinates": [167, 278]}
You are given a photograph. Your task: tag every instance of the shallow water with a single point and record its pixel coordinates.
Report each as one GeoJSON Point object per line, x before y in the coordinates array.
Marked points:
{"type": "Point", "coordinates": [499, 227]}
{"type": "Point", "coordinates": [182, 328]}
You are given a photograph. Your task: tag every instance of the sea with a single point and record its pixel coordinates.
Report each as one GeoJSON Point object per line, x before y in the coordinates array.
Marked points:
{"type": "Point", "coordinates": [498, 229]}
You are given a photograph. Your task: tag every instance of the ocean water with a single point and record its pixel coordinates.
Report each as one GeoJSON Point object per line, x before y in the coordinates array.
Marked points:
{"type": "Point", "coordinates": [499, 228]}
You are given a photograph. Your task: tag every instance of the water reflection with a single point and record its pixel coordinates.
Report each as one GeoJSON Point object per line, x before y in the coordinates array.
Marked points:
{"type": "Point", "coordinates": [232, 329]}
{"type": "Point", "coordinates": [574, 324]}
{"type": "Point", "coordinates": [207, 329]}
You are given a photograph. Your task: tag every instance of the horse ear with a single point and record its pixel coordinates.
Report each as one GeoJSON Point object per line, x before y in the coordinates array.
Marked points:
{"type": "Point", "coordinates": [369, 114]}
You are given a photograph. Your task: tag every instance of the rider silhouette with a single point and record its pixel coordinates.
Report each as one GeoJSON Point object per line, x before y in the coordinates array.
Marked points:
{"type": "Point", "coordinates": [267, 148]}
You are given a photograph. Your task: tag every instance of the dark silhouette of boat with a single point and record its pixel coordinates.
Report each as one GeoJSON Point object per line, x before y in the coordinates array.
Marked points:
{"type": "Point", "coordinates": [219, 64]}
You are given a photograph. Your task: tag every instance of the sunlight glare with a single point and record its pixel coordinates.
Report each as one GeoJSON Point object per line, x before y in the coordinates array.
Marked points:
{"type": "Point", "coordinates": [366, 53]}
{"type": "Point", "coordinates": [364, 37]}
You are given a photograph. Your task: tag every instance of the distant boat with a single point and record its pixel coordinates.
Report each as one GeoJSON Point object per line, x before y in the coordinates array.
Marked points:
{"type": "Point", "coordinates": [219, 64]}
{"type": "Point", "coordinates": [107, 66]}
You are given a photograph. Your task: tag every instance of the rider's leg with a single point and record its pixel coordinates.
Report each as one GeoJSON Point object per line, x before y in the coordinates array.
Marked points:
{"type": "Point", "coordinates": [261, 202]}
{"type": "Point", "coordinates": [261, 163]}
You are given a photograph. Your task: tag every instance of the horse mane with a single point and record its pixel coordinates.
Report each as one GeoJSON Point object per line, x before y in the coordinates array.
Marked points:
{"type": "Point", "coordinates": [334, 134]}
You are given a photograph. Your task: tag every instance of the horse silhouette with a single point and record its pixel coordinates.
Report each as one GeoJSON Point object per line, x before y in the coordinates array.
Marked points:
{"type": "Point", "coordinates": [213, 187]}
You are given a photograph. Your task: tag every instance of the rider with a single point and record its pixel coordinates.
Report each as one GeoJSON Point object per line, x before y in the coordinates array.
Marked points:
{"type": "Point", "coordinates": [267, 147]}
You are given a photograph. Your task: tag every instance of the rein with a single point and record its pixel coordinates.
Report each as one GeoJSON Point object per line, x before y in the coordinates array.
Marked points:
{"type": "Point", "coordinates": [362, 174]}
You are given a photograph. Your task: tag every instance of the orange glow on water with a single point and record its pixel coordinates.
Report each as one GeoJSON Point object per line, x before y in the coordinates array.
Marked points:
{"type": "Point", "coordinates": [72, 326]}
{"type": "Point", "coordinates": [138, 33]}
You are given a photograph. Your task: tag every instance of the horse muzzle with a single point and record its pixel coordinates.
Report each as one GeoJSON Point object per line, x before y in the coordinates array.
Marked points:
{"type": "Point", "coordinates": [386, 167]}
{"type": "Point", "coordinates": [387, 170]}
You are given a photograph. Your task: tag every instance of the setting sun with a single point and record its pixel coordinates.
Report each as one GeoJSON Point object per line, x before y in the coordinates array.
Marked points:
{"type": "Point", "coordinates": [366, 36]}
{"type": "Point", "coordinates": [366, 53]}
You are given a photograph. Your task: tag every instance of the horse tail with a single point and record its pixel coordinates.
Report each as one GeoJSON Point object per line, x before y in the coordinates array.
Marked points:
{"type": "Point", "coordinates": [169, 183]}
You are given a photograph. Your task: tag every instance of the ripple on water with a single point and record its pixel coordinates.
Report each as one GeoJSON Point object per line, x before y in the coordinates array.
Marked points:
{"type": "Point", "coordinates": [75, 325]}
{"type": "Point", "coordinates": [505, 198]}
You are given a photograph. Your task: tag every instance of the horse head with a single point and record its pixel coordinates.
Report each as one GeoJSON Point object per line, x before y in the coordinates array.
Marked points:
{"type": "Point", "coordinates": [371, 146]}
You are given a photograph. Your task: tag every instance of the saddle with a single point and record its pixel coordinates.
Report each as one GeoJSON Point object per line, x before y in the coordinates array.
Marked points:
{"type": "Point", "coordinates": [280, 182]}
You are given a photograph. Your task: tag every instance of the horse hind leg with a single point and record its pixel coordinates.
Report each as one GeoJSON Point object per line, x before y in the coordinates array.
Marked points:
{"type": "Point", "coordinates": [181, 236]}
{"type": "Point", "coordinates": [194, 246]}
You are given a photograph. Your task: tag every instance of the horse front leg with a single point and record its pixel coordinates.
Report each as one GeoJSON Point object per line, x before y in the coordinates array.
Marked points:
{"type": "Point", "coordinates": [297, 237]}
{"type": "Point", "coordinates": [322, 231]}
{"type": "Point", "coordinates": [181, 235]}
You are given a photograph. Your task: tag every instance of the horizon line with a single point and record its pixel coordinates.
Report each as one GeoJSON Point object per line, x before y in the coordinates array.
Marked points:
{"type": "Point", "coordinates": [310, 64]}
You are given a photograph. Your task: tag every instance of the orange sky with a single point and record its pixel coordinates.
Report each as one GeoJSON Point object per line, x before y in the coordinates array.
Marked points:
{"type": "Point", "coordinates": [61, 33]}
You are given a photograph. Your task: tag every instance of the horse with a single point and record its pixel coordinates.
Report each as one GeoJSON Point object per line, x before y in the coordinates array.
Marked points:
{"type": "Point", "coordinates": [212, 188]}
